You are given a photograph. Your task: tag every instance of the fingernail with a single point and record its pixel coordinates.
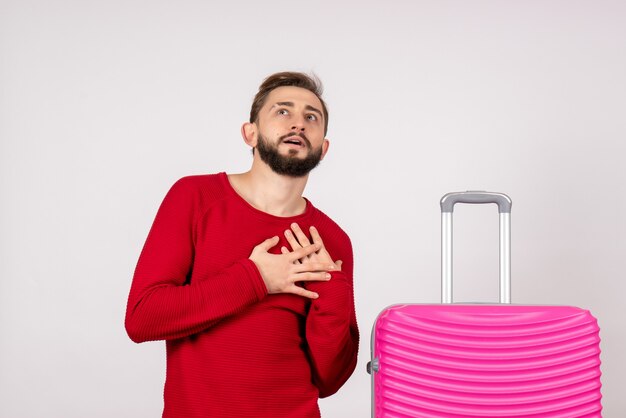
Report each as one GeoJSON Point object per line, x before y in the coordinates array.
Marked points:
{"type": "Point", "coordinates": [327, 276]}
{"type": "Point", "coordinates": [331, 267]}
{"type": "Point", "coordinates": [315, 296]}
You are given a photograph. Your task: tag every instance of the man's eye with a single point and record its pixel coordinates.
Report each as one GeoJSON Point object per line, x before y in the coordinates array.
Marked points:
{"type": "Point", "coordinates": [312, 117]}
{"type": "Point", "coordinates": [283, 112]}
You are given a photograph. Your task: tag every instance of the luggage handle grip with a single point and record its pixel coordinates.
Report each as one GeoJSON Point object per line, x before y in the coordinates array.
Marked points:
{"type": "Point", "coordinates": [473, 197]}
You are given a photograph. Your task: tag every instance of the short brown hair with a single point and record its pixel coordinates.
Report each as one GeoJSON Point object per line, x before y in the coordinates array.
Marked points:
{"type": "Point", "coordinates": [287, 78]}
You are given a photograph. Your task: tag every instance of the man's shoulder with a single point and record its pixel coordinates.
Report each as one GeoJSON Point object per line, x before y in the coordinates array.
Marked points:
{"type": "Point", "coordinates": [201, 183]}
{"type": "Point", "coordinates": [199, 180]}
{"type": "Point", "coordinates": [199, 188]}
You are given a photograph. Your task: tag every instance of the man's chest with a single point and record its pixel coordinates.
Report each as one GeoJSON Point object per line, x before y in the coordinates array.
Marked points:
{"type": "Point", "coordinates": [223, 236]}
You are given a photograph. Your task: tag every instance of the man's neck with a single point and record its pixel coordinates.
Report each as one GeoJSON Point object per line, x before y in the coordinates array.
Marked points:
{"type": "Point", "coordinates": [269, 192]}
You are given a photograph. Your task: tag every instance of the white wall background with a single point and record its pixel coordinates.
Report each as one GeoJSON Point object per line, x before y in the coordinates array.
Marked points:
{"type": "Point", "coordinates": [103, 105]}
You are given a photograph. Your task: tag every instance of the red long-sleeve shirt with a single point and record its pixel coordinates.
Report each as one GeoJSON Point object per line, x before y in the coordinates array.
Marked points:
{"type": "Point", "coordinates": [233, 350]}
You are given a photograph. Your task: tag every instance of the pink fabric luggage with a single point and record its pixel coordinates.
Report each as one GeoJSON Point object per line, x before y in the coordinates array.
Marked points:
{"type": "Point", "coordinates": [484, 360]}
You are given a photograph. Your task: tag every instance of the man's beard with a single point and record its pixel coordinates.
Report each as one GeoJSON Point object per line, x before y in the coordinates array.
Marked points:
{"type": "Point", "coordinates": [288, 165]}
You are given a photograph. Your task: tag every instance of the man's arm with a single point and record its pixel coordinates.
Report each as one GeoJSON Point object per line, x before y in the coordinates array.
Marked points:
{"type": "Point", "coordinates": [331, 328]}
{"type": "Point", "coordinates": [161, 305]}
{"type": "Point", "coordinates": [332, 333]}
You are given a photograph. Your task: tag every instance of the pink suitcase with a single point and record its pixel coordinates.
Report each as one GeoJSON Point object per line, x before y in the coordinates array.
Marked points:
{"type": "Point", "coordinates": [484, 360]}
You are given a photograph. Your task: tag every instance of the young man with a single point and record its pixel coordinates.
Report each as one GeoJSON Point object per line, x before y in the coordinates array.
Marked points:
{"type": "Point", "coordinates": [247, 282]}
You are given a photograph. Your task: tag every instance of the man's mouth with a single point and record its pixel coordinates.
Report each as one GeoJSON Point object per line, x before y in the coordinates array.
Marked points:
{"type": "Point", "coordinates": [294, 140]}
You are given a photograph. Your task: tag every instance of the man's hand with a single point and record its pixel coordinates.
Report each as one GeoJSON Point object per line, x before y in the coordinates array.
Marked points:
{"type": "Point", "coordinates": [281, 272]}
{"type": "Point", "coordinates": [298, 240]}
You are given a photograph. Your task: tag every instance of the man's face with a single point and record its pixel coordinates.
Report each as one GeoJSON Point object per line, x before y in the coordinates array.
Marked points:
{"type": "Point", "coordinates": [291, 131]}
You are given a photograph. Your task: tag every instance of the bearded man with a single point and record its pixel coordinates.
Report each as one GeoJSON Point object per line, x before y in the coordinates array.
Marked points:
{"type": "Point", "coordinates": [257, 311]}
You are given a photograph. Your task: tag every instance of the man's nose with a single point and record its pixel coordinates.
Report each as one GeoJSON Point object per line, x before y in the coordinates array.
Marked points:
{"type": "Point", "coordinates": [298, 124]}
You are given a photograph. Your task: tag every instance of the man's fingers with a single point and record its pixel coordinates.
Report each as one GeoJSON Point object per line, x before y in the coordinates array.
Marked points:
{"type": "Point", "coordinates": [291, 239]}
{"type": "Point", "coordinates": [311, 277]}
{"type": "Point", "coordinates": [269, 243]}
{"type": "Point", "coordinates": [339, 263]}
{"type": "Point", "coordinates": [297, 290]}
{"type": "Point", "coordinates": [284, 250]}
{"type": "Point", "coordinates": [302, 238]}
{"type": "Point", "coordinates": [316, 236]}
{"type": "Point", "coordinates": [314, 266]}
{"type": "Point", "coordinates": [304, 251]}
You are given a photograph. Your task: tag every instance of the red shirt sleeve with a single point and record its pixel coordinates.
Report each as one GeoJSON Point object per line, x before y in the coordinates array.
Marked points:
{"type": "Point", "coordinates": [162, 303]}
{"type": "Point", "coordinates": [331, 328]}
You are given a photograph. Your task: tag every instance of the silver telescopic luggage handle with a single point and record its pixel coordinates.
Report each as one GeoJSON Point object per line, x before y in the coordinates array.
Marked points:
{"type": "Point", "coordinates": [473, 197]}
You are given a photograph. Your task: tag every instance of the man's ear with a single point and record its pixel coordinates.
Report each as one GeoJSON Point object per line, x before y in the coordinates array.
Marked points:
{"type": "Point", "coordinates": [249, 133]}
{"type": "Point", "coordinates": [325, 146]}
